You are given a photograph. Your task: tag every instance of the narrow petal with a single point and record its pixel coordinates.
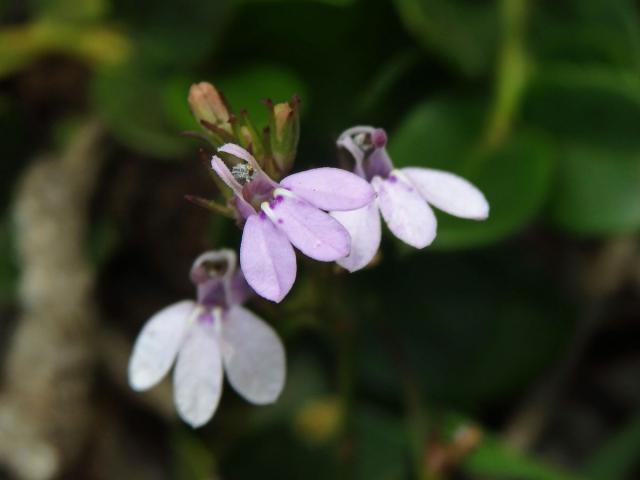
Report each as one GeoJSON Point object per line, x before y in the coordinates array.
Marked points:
{"type": "Point", "coordinates": [364, 227]}
{"type": "Point", "coordinates": [197, 378]}
{"type": "Point", "coordinates": [267, 258]}
{"type": "Point", "coordinates": [314, 232]}
{"type": "Point", "coordinates": [448, 192]}
{"type": "Point", "coordinates": [253, 355]}
{"type": "Point", "coordinates": [157, 345]}
{"type": "Point", "coordinates": [330, 188]}
{"type": "Point", "coordinates": [405, 211]}
{"type": "Point", "coordinates": [237, 151]}
{"type": "Point", "coordinates": [225, 175]}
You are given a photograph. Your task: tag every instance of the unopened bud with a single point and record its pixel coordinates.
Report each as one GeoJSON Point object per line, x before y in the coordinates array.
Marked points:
{"type": "Point", "coordinates": [208, 106]}
{"type": "Point", "coordinates": [284, 133]}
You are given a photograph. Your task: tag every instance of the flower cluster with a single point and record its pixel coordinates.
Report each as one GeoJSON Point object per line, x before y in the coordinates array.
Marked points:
{"type": "Point", "coordinates": [292, 212]}
{"type": "Point", "coordinates": [328, 214]}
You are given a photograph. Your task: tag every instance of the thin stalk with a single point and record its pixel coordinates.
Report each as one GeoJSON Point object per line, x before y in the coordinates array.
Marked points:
{"type": "Point", "coordinates": [512, 71]}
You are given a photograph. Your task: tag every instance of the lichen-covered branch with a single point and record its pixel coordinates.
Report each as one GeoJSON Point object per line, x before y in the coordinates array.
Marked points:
{"type": "Point", "coordinates": [44, 408]}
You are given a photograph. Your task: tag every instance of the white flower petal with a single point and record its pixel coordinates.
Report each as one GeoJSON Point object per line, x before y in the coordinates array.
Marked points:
{"type": "Point", "coordinates": [449, 192]}
{"type": "Point", "coordinates": [197, 378]}
{"type": "Point", "coordinates": [364, 227]}
{"type": "Point", "coordinates": [253, 356]}
{"type": "Point", "coordinates": [157, 345]}
{"type": "Point", "coordinates": [405, 211]}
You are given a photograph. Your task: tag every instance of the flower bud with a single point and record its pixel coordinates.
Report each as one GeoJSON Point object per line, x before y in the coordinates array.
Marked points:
{"type": "Point", "coordinates": [284, 132]}
{"type": "Point", "coordinates": [208, 106]}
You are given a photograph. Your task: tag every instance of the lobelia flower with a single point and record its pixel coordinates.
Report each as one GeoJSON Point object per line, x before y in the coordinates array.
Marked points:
{"type": "Point", "coordinates": [403, 198]}
{"type": "Point", "coordinates": [205, 337]}
{"type": "Point", "coordinates": [279, 215]}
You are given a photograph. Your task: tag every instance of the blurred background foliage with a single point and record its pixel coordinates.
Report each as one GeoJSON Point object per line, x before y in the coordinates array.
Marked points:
{"type": "Point", "coordinates": [422, 366]}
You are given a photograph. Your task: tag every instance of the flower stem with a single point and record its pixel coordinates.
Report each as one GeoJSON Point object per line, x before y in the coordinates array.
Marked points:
{"type": "Point", "coordinates": [512, 72]}
{"type": "Point", "coordinates": [344, 328]}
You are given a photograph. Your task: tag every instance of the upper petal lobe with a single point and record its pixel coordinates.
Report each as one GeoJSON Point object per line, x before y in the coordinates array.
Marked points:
{"type": "Point", "coordinates": [330, 188]}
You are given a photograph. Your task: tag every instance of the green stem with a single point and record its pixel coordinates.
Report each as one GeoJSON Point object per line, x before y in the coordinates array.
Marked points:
{"type": "Point", "coordinates": [344, 326]}
{"type": "Point", "coordinates": [511, 73]}
{"type": "Point", "coordinates": [416, 418]}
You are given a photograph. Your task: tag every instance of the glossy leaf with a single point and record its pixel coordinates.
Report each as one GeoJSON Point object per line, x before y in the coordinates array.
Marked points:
{"type": "Point", "coordinates": [129, 100]}
{"type": "Point", "coordinates": [597, 191]}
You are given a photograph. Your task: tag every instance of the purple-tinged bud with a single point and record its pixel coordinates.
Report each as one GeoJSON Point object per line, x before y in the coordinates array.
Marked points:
{"type": "Point", "coordinates": [379, 138]}
{"type": "Point", "coordinates": [210, 109]}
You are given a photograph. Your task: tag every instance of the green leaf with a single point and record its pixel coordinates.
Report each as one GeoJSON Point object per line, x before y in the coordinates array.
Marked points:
{"type": "Point", "coordinates": [599, 31]}
{"type": "Point", "coordinates": [592, 104]}
{"type": "Point", "coordinates": [129, 99]}
{"type": "Point", "coordinates": [597, 191]}
{"type": "Point", "coordinates": [171, 34]}
{"type": "Point", "coordinates": [463, 31]}
{"type": "Point", "coordinates": [71, 10]}
{"type": "Point", "coordinates": [515, 178]}
{"type": "Point", "coordinates": [492, 459]}
{"type": "Point", "coordinates": [617, 458]}
{"type": "Point", "coordinates": [336, 3]}
{"type": "Point", "coordinates": [462, 352]}
{"type": "Point", "coordinates": [593, 112]}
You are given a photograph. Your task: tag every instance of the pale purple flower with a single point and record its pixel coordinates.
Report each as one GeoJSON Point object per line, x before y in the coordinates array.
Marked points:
{"type": "Point", "coordinates": [205, 338]}
{"type": "Point", "coordinates": [292, 212]}
{"type": "Point", "coordinates": [404, 197]}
